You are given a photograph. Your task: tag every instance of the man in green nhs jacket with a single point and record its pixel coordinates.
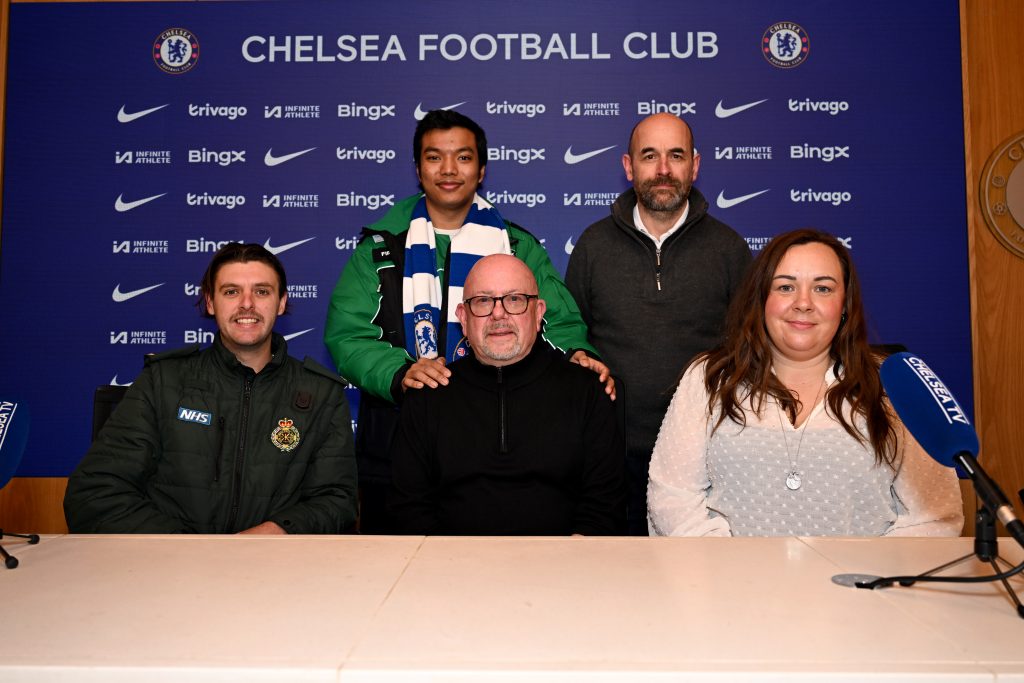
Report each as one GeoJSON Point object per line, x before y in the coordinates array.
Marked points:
{"type": "Point", "coordinates": [391, 325]}
{"type": "Point", "coordinates": [235, 438]}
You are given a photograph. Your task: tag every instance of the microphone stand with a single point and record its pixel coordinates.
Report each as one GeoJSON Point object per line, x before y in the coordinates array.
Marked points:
{"type": "Point", "coordinates": [986, 550]}
{"type": "Point", "coordinates": [9, 560]}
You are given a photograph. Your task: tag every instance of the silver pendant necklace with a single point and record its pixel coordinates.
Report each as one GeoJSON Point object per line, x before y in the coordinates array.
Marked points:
{"type": "Point", "coordinates": [794, 480]}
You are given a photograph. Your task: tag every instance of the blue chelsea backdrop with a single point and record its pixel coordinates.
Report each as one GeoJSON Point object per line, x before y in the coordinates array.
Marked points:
{"type": "Point", "coordinates": [141, 136]}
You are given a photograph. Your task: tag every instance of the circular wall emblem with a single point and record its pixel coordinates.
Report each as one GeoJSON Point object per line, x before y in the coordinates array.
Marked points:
{"type": "Point", "coordinates": [1002, 193]}
{"type": "Point", "coordinates": [176, 50]}
{"type": "Point", "coordinates": [785, 45]}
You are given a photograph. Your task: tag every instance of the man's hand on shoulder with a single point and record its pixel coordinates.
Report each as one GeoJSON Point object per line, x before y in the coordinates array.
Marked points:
{"type": "Point", "coordinates": [265, 528]}
{"type": "Point", "coordinates": [429, 372]}
{"type": "Point", "coordinates": [603, 373]}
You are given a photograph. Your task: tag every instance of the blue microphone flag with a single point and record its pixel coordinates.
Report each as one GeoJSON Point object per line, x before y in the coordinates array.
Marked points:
{"type": "Point", "coordinates": [928, 408]}
{"type": "Point", "coordinates": [14, 421]}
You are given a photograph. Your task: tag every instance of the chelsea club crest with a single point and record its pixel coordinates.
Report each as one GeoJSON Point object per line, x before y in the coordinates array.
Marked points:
{"type": "Point", "coordinates": [785, 44]}
{"type": "Point", "coordinates": [176, 50]}
{"type": "Point", "coordinates": [285, 436]}
{"type": "Point", "coordinates": [426, 333]}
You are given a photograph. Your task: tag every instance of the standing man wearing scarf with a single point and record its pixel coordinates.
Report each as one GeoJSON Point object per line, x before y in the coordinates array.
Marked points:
{"type": "Point", "coordinates": [391, 324]}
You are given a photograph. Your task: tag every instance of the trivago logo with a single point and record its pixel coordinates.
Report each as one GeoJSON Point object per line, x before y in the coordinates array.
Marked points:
{"type": "Point", "coordinates": [216, 111]}
{"type": "Point", "coordinates": [227, 201]}
{"type": "Point", "coordinates": [529, 199]}
{"type": "Point", "coordinates": [358, 154]}
{"type": "Point", "coordinates": [831, 107]}
{"type": "Point", "coordinates": [833, 197]}
{"type": "Point", "coordinates": [529, 110]}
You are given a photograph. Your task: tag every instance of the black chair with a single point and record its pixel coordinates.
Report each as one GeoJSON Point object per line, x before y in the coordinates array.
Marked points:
{"type": "Point", "coordinates": [886, 350]}
{"type": "Point", "coordinates": [104, 401]}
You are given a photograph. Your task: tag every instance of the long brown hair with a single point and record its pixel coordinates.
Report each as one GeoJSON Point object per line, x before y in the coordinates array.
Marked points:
{"type": "Point", "coordinates": [740, 369]}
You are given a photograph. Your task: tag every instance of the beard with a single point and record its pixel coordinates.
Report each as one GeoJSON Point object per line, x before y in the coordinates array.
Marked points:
{"type": "Point", "coordinates": [661, 200]}
{"type": "Point", "coordinates": [506, 352]}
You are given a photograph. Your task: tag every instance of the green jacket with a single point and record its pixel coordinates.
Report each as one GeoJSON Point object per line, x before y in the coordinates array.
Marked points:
{"type": "Point", "coordinates": [192, 449]}
{"type": "Point", "coordinates": [365, 332]}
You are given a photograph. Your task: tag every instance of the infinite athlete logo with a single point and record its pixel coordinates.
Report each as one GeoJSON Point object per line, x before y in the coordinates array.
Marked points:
{"type": "Point", "coordinates": [785, 45]}
{"type": "Point", "coordinates": [176, 51]}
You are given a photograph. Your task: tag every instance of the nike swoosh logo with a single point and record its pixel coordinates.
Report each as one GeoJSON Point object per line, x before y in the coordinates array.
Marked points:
{"type": "Point", "coordinates": [271, 160]}
{"type": "Point", "coordinates": [569, 246]}
{"type": "Point", "coordinates": [293, 335]}
{"type": "Point", "coordinates": [571, 158]}
{"type": "Point", "coordinates": [120, 296]}
{"type": "Point", "coordinates": [122, 206]}
{"type": "Point", "coordinates": [419, 113]}
{"type": "Point", "coordinates": [284, 247]}
{"type": "Point", "coordinates": [125, 117]}
{"type": "Point", "coordinates": [725, 203]}
{"type": "Point", "coordinates": [115, 383]}
{"type": "Point", "coordinates": [725, 112]}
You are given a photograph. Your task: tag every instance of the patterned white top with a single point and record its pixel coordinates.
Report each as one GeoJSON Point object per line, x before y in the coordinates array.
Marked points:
{"type": "Point", "coordinates": [734, 483]}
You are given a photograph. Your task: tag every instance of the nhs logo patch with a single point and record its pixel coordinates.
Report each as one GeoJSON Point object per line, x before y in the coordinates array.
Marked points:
{"type": "Point", "coordinates": [197, 416]}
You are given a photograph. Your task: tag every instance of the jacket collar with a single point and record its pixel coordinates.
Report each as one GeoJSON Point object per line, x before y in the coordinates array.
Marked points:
{"type": "Point", "coordinates": [396, 220]}
{"type": "Point", "coordinates": [622, 210]}
{"type": "Point", "coordinates": [278, 351]}
{"type": "Point", "coordinates": [513, 376]}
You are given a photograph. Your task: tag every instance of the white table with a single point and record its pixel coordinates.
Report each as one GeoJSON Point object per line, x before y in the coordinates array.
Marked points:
{"type": "Point", "coordinates": [373, 609]}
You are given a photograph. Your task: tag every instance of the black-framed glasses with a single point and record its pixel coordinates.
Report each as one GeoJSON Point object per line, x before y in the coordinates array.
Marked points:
{"type": "Point", "coordinates": [513, 304]}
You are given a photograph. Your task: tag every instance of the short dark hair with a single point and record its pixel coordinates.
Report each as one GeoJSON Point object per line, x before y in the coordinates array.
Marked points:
{"type": "Point", "coordinates": [236, 252]}
{"type": "Point", "coordinates": [446, 119]}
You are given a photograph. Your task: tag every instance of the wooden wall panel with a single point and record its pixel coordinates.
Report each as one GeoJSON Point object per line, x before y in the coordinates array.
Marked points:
{"type": "Point", "coordinates": [34, 505]}
{"type": "Point", "coordinates": [993, 72]}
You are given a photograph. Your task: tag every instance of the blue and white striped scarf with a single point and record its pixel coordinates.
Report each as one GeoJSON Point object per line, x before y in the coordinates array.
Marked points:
{"type": "Point", "coordinates": [482, 234]}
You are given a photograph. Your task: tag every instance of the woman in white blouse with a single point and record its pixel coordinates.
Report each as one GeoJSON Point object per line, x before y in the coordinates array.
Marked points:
{"type": "Point", "coordinates": [783, 429]}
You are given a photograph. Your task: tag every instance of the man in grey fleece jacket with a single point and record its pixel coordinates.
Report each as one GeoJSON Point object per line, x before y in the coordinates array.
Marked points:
{"type": "Point", "coordinates": [653, 281]}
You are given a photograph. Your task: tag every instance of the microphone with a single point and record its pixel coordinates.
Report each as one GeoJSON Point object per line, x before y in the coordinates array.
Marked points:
{"type": "Point", "coordinates": [933, 416]}
{"type": "Point", "coordinates": [14, 422]}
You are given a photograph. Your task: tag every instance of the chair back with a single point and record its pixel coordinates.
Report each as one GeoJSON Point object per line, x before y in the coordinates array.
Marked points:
{"type": "Point", "coordinates": [104, 401]}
